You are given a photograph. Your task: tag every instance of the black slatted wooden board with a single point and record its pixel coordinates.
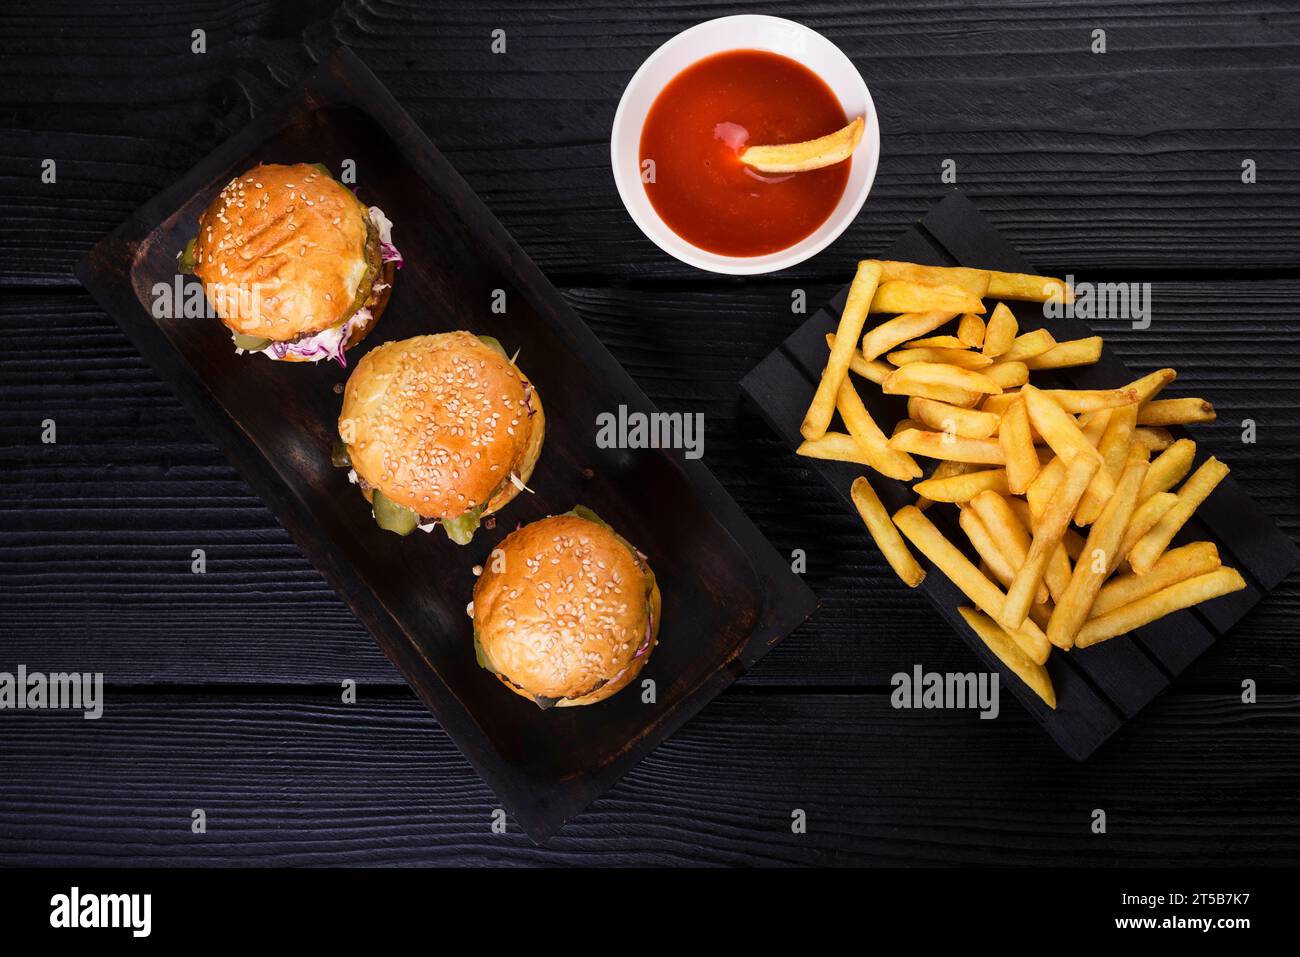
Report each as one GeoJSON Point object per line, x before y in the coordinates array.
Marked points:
{"type": "Point", "coordinates": [1097, 688]}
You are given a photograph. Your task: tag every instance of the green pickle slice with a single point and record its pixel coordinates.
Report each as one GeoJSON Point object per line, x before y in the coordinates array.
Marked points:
{"type": "Point", "coordinates": [393, 517]}
{"type": "Point", "coordinates": [581, 511]}
{"type": "Point", "coordinates": [493, 343]}
{"type": "Point", "coordinates": [480, 656]}
{"type": "Point", "coordinates": [363, 288]}
{"type": "Point", "coordinates": [186, 259]}
{"type": "Point", "coordinates": [251, 343]}
{"type": "Point", "coordinates": [461, 529]}
{"type": "Point", "coordinates": [340, 457]}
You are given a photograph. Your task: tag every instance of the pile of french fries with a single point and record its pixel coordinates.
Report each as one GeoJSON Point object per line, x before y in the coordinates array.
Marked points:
{"type": "Point", "coordinates": [1058, 490]}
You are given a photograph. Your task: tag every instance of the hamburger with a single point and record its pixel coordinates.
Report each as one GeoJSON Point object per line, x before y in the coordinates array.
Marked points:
{"type": "Point", "coordinates": [294, 265]}
{"type": "Point", "coordinates": [439, 430]}
{"type": "Point", "coordinates": [567, 613]}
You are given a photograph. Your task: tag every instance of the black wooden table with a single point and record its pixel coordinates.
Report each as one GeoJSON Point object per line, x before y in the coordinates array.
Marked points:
{"type": "Point", "coordinates": [224, 689]}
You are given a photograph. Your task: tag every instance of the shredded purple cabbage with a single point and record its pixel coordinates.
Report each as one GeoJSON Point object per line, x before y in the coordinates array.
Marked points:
{"type": "Point", "coordinates": [326, 344]}
{"type": "Point", "coordinates": [649, 636]}
{"type": "Point", "coordinates": [388, 253]}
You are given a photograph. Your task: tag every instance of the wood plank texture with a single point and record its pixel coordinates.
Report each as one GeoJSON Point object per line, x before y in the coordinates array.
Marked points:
{"type": "Point", "coordinates": [1139, 149]}
{"type": "Point", "coordinates": [295, 778]}
{"type": "Point", "coordinates": [224, 687]}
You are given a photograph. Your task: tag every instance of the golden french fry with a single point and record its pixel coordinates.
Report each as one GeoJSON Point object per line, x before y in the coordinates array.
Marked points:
{"type": "Point", "coordinates": [1175, 565]}
{"type": "Point", "coordinates": [1004, 646]}
{"type": "Point", "coordinates": [961, 358]}
{"type": "Point", "coordinates": [1058, 571]}
{"type": "Point", "coordinates": [1020, 506]}
{"type": "Point", "coordinates": [901, 296]}
{"type": "Point", "coordinates": [946, 445]}
{"type": "Point", "coordinates": [1008, 375]}
{"type": "Point", "coordinates": [1090, 572]}
{"type": "Point", "coordinates": [988, 598]}
{"type": "Point", "coordinates": [917, 378]}
{"type": "Point", "coordinates": [962, 398]}
{"type": "Point", "coordinates": [1021, 509]}
{"type": "Point", "coordinates": [1048, 532]}
{"type": "Point", "coordinates": [1153, 437]}
{"type": "Point", "coordinates": [962, 487]}
{"type": "Point", "coordinates": [1114, 448]}
{"type": "Point", "coordinates": [1000, 332]}
{"type": "Point", "coordinates": [998, 404]}
{"type": "Point", "coordinates": [974, 281]}
{"type": "Point", "coordinates": [1151, 383]}
{"type": "Point", "coordinates": [935, 342]}
{"type": "Point", "coordinates": [1144, 519]}
{"type": "Point", "coordinates": [902, 425]}
{"type": "Point", "coordinates": [836, 447]}
{"type": "Point", "coordinates": [1073, 352]}
{"type": "Point", "coordinates": [1076, 401]}
{"type": "Point", "coordinates": [942, 470]}
{"type": "Point", "coordinates": [873, 370]}
{"type": "Point", "coordinates": [1040, 613]}
{"type": "Point", "coordinates": [1176, 412]}
{"type": "Point", "coordinates": [1017, 443]}
{"type": "Point", "coordinates": [1193, 492]}
{"type": "Point", "coordinates": [1043, 487]}
{"type": "Point", "coordinates": [885, 534]}
{"type": "Point", "coordinates": [889, 462]}
{"type": "Point", "coordinates": [970, 330]}
{"type": "Point", "coordinates": [1014, 285]}
{"type": "Point", "coordinates": [1117, 445]}
{"type": "Point", "coordinates": [1073, 545]}
{"type": "Point", "coordinates": [836, 372]}
{"type": "Point", "coordinates": [991, 556]}
{"type": "Point", "coordinates": [1168, 468]}
{"type": "Point", "coordinates": [1143, 611]}
{"type": "Point", "coordinates": [1093, 424]}
{"type": "Point", "coordinates": [811, 154]}
{"type": "Point", "coordinates": [898, 330]}
{"type": "Point", "coordinates": [1007, 531]}
{"type": "Point", "coordinates": [1062, 433]}
{"type": "Point", "coordinates": [952, 418]}
{"type": "Point", "coordinates": [1027, 345]}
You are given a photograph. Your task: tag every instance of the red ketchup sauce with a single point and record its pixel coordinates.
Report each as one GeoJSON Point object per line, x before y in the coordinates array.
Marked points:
{"type": "Point", "coordinates": [695, 130]}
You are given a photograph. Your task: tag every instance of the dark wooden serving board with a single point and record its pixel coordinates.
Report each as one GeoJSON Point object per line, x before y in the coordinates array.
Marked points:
{"type": "Point", "coordinates": [728, 596]}
{"type": "Point", "coordinates": [1098, 688]}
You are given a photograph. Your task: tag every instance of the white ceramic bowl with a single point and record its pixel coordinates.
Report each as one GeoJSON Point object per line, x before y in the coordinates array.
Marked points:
{"type": "Point", "coordinates": [747, 32]}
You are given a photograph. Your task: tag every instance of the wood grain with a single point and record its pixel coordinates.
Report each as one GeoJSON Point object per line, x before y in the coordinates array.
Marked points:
{"type": "Point", "coordinates": [1138, 149]}
{"type": "Point", "coordinates": [296, 778]}
{"type": "Point", "coordinates": [1117, 166]}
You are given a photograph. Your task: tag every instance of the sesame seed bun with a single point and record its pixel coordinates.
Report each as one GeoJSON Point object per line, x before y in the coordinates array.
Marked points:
{"type": "Point", "coordinates": [566, 613]}
{"type": "Point", "coordinates": [283, 252]}
{"type": "Point", "coordinates": [439, 423]}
